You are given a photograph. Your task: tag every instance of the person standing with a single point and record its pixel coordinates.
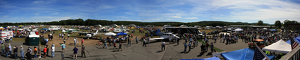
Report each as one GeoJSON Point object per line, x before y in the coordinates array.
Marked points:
{"type": "Point", "coordinates": [83, 51]}
{"type": "Point", "coordinates": [35, 52]}
{"type": "Point", "coordinates": [163, 46]}
{"type": "Point", "coordinates": [3, 48]}
{"type": "Point", "coordinates": [45, 51]}
{"type": "Point", "coordinates": [148, 40]}
{"type": "Point", "coordinates": [22, 52]}
{"type": "Point", "coordinates": [177, 41]}
{"type": "Point", "coordinates": [215, 39]}
{"type": "Point", "coordinates": [190, 46]}
{"type": "Point", "coordinates": [7, 51]}
{"type": "Point", "coordinates": [59, 35]}
{"type": "Point", "coordinates": [16, 52]}
{"type": "Point", "coordinates": [39, 51]}
{"type": "Point", "coordinates": [129, 41]}
{"type": "Point", "coordinates": [53, 50]}
{"type": "Point", "coordinates": [10, 49]}
{"type": "Point", "coordinates": [63, 46]}
{"type": "Point", "coordinates": [136, 40]}
{"type": "Point", "coordinates": [82, 41]}
{"type": "Point", "coordinates": [62, 36]}
{"type": "Point", "coordinates": [75, 52]}
{"type": "Point", "coordinates": [144, 42]}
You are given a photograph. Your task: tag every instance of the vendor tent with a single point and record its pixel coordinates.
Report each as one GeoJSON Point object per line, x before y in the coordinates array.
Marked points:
{"type": "Point", "coordinates": [289, 41]}
{"type": "Point", "coordinates": [121, 33]}
{"type": "Point", "coordinates": [110, 34]}
{"type": "Point", "coordinates": [242, 54]}
{"type": "Point", "coordinates": [280, 47]}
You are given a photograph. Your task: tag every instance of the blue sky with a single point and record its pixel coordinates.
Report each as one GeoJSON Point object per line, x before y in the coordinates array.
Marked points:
{"type": "Point", "coordinates": [150, 10]}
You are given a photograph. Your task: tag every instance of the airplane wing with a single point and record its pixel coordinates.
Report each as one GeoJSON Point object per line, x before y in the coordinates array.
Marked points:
{"type": "Point", "coordinates": [156, 38]}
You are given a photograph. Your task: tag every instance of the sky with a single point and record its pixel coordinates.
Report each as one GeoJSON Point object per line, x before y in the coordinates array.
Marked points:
{"type": "Point", "coordinates": [250, 11]}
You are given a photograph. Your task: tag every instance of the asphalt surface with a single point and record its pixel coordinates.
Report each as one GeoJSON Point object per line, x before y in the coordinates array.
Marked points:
{"type": "Point", "coordinates": [136, 51]}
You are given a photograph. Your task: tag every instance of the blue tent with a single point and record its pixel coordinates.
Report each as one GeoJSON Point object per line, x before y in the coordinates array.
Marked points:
{"type": "Point", "coordinates": [242, 54]}
{"type": "Point", "coordinates": [44, 29]}
{"type": "Point", "coordinates": [212, 58]}
{"type": "Point", "coordinates": [121, 33]}
{"type": "Point", "coordinates": [273, 30]}
{"type": "Point", "coordinates": [289, 41]}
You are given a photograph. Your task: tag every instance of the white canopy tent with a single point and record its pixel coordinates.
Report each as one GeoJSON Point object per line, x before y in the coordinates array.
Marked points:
{"type": "Point", "coordinates": [110, 34]}
{"type": "Point", "coordinates": [280, 47]}
{"type": "Point", "coordinates": [238, 29]}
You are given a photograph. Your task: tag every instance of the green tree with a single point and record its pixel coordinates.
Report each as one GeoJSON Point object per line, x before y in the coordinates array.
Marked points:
{"type": "Point", "coordinates": [260, 22]}
{"type": "Point", "coordinates": [278, 24]}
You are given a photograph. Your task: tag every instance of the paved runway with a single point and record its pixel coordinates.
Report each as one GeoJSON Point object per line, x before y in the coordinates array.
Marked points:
{"type": "Point", "coordinates": [137, 51]}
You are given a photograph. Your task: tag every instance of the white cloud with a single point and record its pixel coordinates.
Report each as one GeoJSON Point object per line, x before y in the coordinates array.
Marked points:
{"type": "Point", "coordinates": [176, 16]}
{"type": "Point", "coordinates": [266, 10]}
{"type": "Point", "coordinates": [191, 18]}
{"type": "Point", "coordinates": [37, 1]}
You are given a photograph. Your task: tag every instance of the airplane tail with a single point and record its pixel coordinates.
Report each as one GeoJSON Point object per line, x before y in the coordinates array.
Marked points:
{"type": "Point", "coordinates": [158, 30]}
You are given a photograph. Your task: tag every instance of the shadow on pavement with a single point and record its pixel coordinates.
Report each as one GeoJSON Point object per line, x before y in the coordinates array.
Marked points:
{"type": "Point", "coordinates": [201, 53]}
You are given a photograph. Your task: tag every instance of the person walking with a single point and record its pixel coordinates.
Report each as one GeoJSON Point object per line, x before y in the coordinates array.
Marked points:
{"type": "Point", "coordinates": [59, 35]}
{"type": "Point", "coordinates": [212, 47]}
{"type": "Point", "coordinates": [120, 46]}
{"type": "Point", "coordinates": [163, 46]}
{"type": "Point", "coordinates": [185, 46]}
{"type": "Point", "coordinates": [22, 52]}
{"type": "Point", "coordinates": [105, 45]}
{"type": "Point", "coordinates": [190, 46]}
{"type": "Point", "coordinates": [68, 36]}
{"type": "Point", "coordinates": [75, 52]}
{"type": "Point", "coordinates": [16, 52]}
{"type": "Point", "coordinates": [75, 40]}
{"type": "Point", "coordinates": [215, 39]}
{"type": "Point", "coordinates": [62, 36]}
{"type": "Point", "coordinates": [136, 40]}
{"type": "Point", "coordinates": [35, 52]}
{"type": "Point", "coordinates": [28, 55]}
{"type": "Point", "coordinates": [53, 50]}
{"type": "Point", "coordinates": [129, 42]}
{"type": "Point", "coordinates": [83, 51]}
{"type": "Point", "coordinates": [62, 55]}
{"type": "Point", "coordinates": [45, 51]}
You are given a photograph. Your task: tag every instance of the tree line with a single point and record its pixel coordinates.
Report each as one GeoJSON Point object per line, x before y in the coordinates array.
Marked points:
{"type": "Point", "coordinates": [92, 22]}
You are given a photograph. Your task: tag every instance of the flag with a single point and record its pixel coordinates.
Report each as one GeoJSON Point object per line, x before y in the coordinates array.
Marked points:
{"type": "Point", "coordinates": [259, 55]}
{"type": "Point", "coordinates": [294, 44]}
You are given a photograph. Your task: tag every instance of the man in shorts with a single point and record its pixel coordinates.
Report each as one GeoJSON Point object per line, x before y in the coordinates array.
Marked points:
{"type": "Point", "coordinates": [75, 52]}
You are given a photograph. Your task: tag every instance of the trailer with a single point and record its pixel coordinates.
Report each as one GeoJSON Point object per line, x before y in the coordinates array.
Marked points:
{"type": "Point", "coordinates": [6, 34]}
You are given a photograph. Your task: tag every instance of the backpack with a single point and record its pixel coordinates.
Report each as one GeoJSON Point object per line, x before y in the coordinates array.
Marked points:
{"type": "Point", "coordinates": [35, 50]}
